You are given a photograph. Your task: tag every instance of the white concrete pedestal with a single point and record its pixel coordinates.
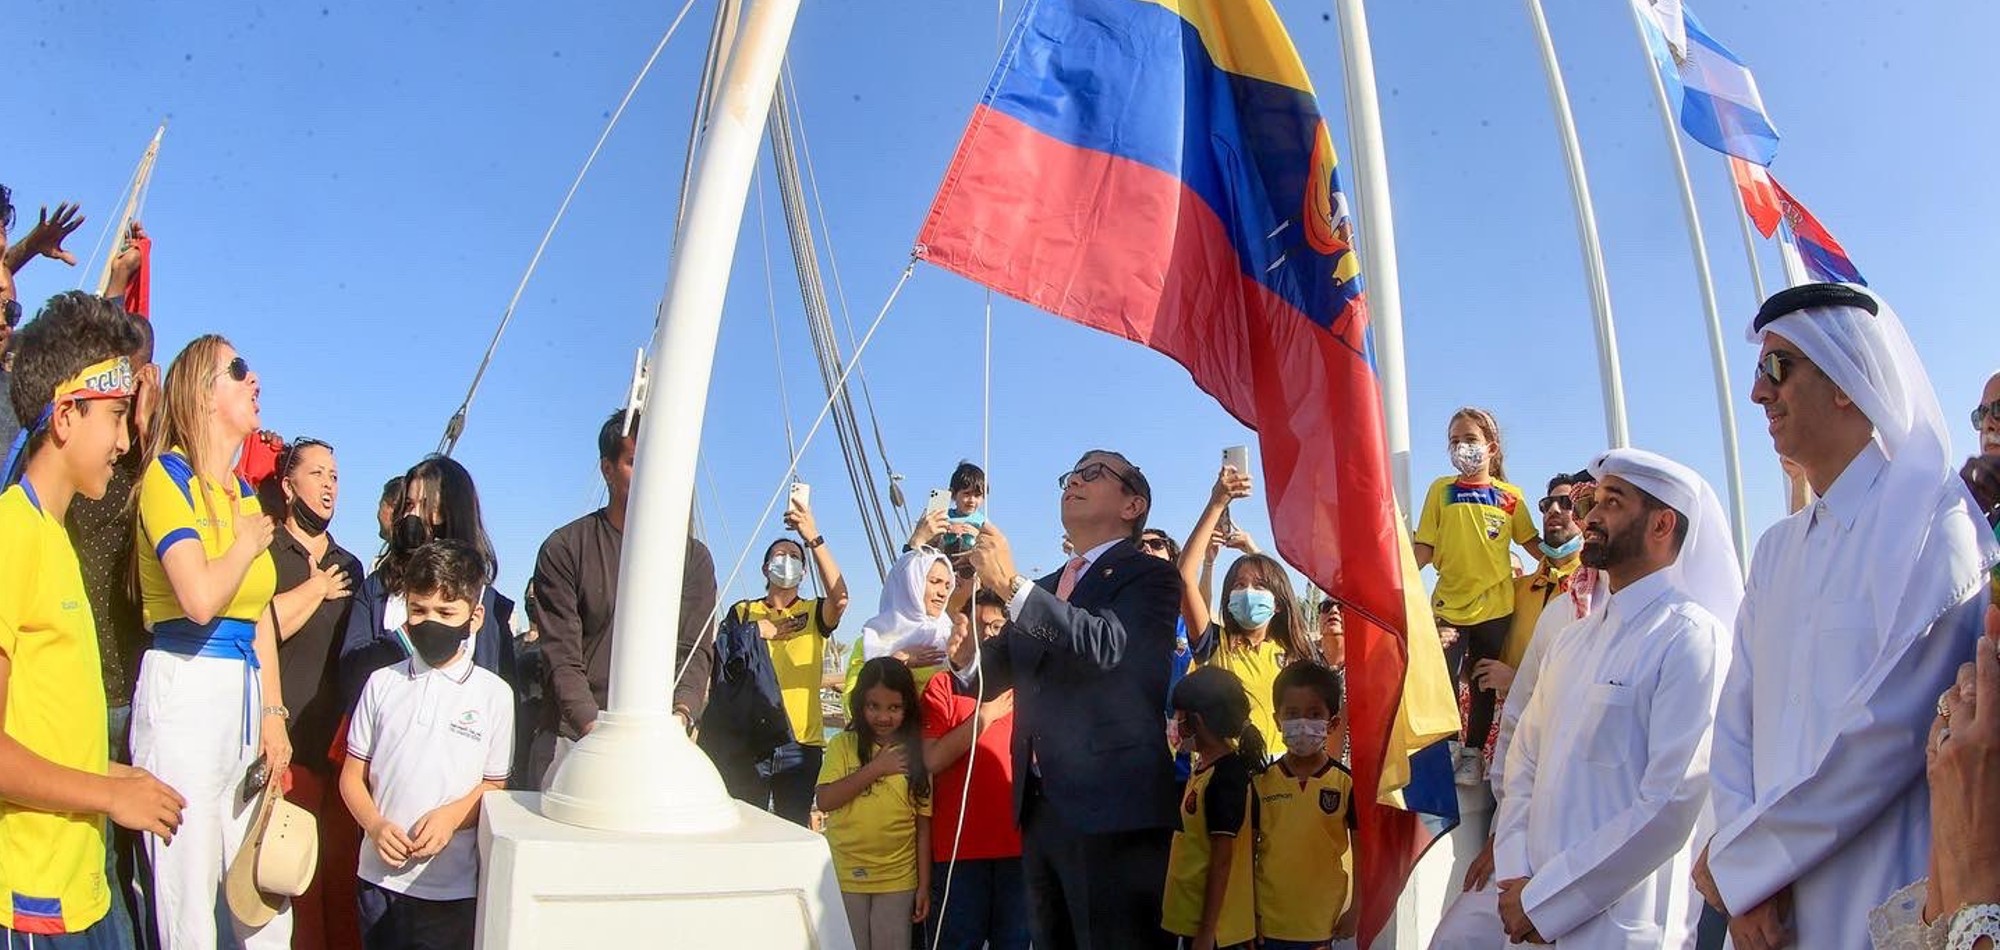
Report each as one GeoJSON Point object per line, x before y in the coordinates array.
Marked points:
{"type": "Point", "coordinates": [543, 885]}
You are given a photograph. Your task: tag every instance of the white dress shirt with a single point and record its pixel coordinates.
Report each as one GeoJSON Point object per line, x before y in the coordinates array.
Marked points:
{"type": "Point", "coordinates": [1607, 772]}
{"type": "Point", "coordinates": [1819, 740]}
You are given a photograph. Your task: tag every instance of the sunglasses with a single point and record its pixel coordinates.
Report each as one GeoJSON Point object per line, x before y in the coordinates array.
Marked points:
{"type": "Point", "coordinates": [238, 369]}
{"type": "Point", "coordinates": [299, 445]}
{"type": "Point", "coordinates": [1093, 472]}
{"type": "Point", "coordinates": [1329, 608]}
{"type": "Point", "coordinates": [1776, 365]}
{"type": "Point", "coordinates": [11, 313]}
{"type": "Point", "coordinates": [1982, 413]}
{"type": "Point", "coordinates": [1153, 544]}
{"type": "Point", "coordinates": [1558, 501]}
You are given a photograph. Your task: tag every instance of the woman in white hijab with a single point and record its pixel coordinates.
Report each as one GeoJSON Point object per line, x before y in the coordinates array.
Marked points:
{"type": "Point", "coordinates": [921, 601]}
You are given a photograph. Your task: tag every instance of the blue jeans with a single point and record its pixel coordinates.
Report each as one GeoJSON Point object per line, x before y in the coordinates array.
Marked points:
{"type": "Point", "coordinates": [988, 906]}
{"type": "Point", "coordinates": [122, 851]}
{"type": "Point", "coordinates": [106, 934]}
{"type": "Point", "coordinates": [790, 775]}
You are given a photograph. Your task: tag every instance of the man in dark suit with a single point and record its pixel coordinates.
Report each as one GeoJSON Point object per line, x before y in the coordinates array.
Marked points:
{"type": "Point", "coordinates": [1087, 652]}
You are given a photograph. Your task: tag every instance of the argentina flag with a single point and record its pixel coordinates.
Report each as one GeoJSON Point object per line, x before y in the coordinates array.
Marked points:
{"type": "Point", "coordinates": [1719, 103]}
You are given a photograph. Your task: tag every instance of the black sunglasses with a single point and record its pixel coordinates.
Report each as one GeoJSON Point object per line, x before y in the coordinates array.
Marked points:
{"type": "Point", "coordinates": [1776, 365]}
{"type": "Point", "coordinates": [297, 446]}
{"type": "Point", "coordinates": [1557, 501]}
{"type": "Point", "coordinates": [12, 313]}
{"type": "Point", "coordinates": [1153, 544]}
{"type": "Point", "coordinates": [1982, 413]}
{"type": "Point", "coordinates": [1093, 472]}
{"type": "Point", "coordinates": [238, 369]}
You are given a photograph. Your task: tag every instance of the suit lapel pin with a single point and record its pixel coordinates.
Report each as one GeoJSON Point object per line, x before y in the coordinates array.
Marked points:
{"type": "Point", "coordinates": [1107, 572]}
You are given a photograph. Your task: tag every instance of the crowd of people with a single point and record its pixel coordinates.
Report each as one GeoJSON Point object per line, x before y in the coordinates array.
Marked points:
{"type": "Point", "coordinates": [1116, 755]}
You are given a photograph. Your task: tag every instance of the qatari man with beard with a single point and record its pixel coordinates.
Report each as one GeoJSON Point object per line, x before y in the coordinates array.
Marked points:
{"type": "Point", "coordinates": [1607, 772]}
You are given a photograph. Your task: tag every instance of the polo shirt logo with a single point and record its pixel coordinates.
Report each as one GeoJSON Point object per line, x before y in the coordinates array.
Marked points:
{"type": "Point", "coordinates": [1329, 800]}
{"type": "Point", "coordinates": [467, 726]}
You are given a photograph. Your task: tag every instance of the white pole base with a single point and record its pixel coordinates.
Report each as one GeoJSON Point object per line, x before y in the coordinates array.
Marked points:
{"type": "Point", "coordinates": [545, 885]}
{"type": "Point", "coordinates": [639, 773]}
{"type": "Point", "coordinates": [1439, 877]}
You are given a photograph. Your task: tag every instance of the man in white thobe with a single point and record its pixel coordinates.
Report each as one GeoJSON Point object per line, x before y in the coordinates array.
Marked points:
{"type": "Point", "coordinates": [1857, 612]}
{"type": "Point", "coordinates": [1607, 771]}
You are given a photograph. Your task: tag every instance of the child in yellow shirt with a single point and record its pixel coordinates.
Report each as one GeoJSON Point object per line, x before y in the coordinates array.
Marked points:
{"type": "Point", "coordinates": [876, 792]}
{"type": "Point", "coordinates": [1304, 820]}
{"type": "Point", "coordinates": [1208, 899]}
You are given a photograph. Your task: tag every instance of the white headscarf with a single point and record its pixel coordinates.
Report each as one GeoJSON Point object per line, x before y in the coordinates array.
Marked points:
{"type": "Point", "coordinates": [1707, 569]}
{"type": "Point", "coordinates": [1870, 357]}
{"type": "Point", "coordinates": [902, 622]}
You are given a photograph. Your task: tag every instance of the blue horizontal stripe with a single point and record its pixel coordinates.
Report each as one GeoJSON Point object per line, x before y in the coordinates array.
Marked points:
{"type": "Point", "coordinates": [174, 537]}
{"type": "Point", "coordinates": [1134, 80]}
{"type": "Point", "coordinates": [37, 906]}
{"type": "Point", "coordinates": [1729, 128]}
{"type": "Point", "coordinates": [225, 637]}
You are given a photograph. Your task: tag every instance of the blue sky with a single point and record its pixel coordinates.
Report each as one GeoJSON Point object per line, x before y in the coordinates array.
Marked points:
{"type": "Point", "coordinates": [350, 192]}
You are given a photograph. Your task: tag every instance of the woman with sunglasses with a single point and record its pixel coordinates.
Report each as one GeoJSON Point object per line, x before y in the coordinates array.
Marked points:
{"type": "Point", "coordinates": [208, 715]}
{"type": "Point", "coordinates": [315, 575]}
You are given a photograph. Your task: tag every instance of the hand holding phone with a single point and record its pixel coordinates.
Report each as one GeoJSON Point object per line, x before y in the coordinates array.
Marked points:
{"type": "Point", "coordinates": [1237, 457]}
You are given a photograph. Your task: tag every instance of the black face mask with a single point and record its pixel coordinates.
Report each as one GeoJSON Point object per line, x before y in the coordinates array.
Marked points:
{"type": "Point", "coordinates": [411, 532]}
{"type": "Point", "coordinates": [307, 519]}
{"type": "Point", "coordinates": [435, 642]}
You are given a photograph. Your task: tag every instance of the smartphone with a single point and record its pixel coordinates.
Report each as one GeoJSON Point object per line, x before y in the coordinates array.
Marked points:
{"type": "Point", "coordinates": [801, 493]}
{"type": "Point", "coordinates": [1238, 457]}
{"type": "Point", "coordinates": [940, 502]}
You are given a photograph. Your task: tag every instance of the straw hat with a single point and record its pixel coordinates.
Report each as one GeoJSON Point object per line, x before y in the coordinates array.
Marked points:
{"type": "Point", "coordinates": [276, 861]}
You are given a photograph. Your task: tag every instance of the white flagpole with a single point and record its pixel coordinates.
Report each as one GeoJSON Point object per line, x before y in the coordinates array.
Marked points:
{"type": "Point", "coordinates": [636, 771]}
{"type": "Point", "coordinates": [1725, 403]}
{"type": "Point", "coordinates": [141, 180]}
{"type": "Point", "coordinates": [1377, 230]}
{"type": "Point", "coordinates": [1609, 375]}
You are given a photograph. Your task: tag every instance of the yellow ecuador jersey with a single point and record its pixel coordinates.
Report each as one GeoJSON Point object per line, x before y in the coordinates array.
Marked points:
{"type": "Point", "coordinates": [1217, 802]}
{"type": "Point", "coordinates": [1258, 667]}
{"type": "Point", "coordinates": [799, 664]}
{"type": "Point", "coordinates": [1303, 829]}
{"type": "Point", "coordinates": [1469, 529]}
{"type": "Point", "coordinates": [177, 505]}
{"type": "Point", "coordinates": [51, 865]}
{"type": "Point", "coordinates": [873, 837]}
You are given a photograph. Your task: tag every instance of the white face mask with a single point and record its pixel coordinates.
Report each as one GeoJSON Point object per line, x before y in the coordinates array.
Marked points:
{"type": "Point", "coordinates": [1468, 457]}
{"type": "Point", "coordinates": [1304, 737]}
{"type": "Point", "coordinates": [786, 572]}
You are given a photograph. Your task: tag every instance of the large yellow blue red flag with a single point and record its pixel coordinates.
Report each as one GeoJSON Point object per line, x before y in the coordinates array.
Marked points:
{"type": "Point", "coordinates": [1159, 169]}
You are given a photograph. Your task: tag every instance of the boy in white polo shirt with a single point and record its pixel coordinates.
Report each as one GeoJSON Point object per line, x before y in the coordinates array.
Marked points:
{"type": "Point", "coordinates": [429, 737]}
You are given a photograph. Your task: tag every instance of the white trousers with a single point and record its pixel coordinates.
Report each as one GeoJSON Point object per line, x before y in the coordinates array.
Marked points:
{"type": "Point", "coordinates": [188, 730]}
{"type": "Point", "coordinates": [1472, 922]}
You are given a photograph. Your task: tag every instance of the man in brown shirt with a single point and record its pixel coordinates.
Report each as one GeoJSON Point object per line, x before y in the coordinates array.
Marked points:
{"type": "Point", "coordinates": [575, 592]}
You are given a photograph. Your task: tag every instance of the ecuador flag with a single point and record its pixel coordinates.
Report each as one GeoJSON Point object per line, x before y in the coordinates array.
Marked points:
{"type": "Point", "coordinates": [1160, 170]}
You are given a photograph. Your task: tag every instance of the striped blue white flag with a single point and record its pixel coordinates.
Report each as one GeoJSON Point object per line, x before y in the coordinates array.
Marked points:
{"type": "Point", "coordinates": [1719, 103]}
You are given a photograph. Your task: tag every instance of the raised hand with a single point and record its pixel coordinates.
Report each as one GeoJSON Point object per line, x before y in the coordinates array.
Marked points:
{"type": "Point", "coordinates": [1230, 484]}
{"type": "Point", "coordinates": [45, 239]}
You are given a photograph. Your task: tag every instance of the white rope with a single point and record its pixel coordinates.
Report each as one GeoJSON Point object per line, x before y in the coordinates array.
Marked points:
{"type": "Point", "coordinates": [785, 480]}
{"type": "Point", "coordinates": [456, 426]}
{"type": "Point", "coordinates": [90, 263]}
{"type": "Point", "coordinates": [972, 606]}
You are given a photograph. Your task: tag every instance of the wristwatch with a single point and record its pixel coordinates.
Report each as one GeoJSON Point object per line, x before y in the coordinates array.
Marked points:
{"type": "Point", "coordinates": [1015, 586]}
{"type": "Point", "coordinates": [816, 542]}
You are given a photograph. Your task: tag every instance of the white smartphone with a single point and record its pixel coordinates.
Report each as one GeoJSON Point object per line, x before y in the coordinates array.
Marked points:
{"type": "Point", "coordinates": [939, 503]}
{"type": "Point", "coordinates": [801, 494]}
{"type": "Point", "coordinates": [1237, 456]}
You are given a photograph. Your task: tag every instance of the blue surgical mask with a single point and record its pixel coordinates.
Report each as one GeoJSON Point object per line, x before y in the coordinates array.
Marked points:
{"type": "Point", "coordinates": [1567, 550]}
{"type": "Point", "coordinates": [1252, 607]}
